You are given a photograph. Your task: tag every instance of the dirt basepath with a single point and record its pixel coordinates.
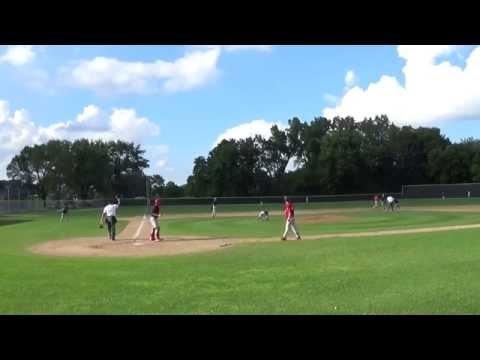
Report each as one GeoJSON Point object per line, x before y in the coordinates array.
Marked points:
{"type": "Point", "coordinates": [131, 242]}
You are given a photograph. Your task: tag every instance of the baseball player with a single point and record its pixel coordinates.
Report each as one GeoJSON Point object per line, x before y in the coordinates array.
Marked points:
{"type": "Point", "coordinates": [154, 214]}
{"type": "Point", "coordinates": [214, 207]}
{"type": "Point", "coordinates": [63, 212]}
{"type": "Point", "coordinates": [289, 212]}
{"type": "Point", "coordinates": [389, 203]}
{"type": "Point", "coordinates": [383, 201]}
{"type": "Point", "coordinates": [109, 216]}
{"type": "Point", "coordinates": [263, 215]}
{"type": "Point", "coordinates": [396, 204]}
{"type": "Point", "coordinates": [375, 201]}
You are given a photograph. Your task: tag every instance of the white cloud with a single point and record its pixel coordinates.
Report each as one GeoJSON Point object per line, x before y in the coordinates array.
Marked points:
{"type": "Point", "coordinates": [250, 129]}
{"type": "Point", "coordinates": [126, 125]}
{"type": "Point", "coordinates": [158, 158]}
{"type": "Point", "coordinates": [92, 123]}
{"type": "Point", "coordinates": [18, 130]}
{"type": "Point", "coordinates": [161, 163]}
{"type": "Point", "coordinates": [350, 79]}
{"type": "Point", "coordinates": [18, 55]}
{"type": "Point", "coordinates": [432, 92]}
{"type": "Point", "coordinates": [106, 75]}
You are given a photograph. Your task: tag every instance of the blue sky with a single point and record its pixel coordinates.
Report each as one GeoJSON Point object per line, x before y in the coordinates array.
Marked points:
{"type": "Point", "coordinates": [177, 101]}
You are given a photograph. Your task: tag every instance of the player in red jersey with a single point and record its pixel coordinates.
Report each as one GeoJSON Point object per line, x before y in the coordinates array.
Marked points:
{"type": "Point", "coordinates": [289, 212]}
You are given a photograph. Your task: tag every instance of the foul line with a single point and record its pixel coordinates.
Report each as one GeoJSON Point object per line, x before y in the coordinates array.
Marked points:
{"type": "Point", "coordinates": [137, 234]}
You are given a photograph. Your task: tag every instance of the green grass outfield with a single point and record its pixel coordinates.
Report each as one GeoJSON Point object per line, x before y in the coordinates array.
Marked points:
{"type": "Point", "coordinates": [427, 273]}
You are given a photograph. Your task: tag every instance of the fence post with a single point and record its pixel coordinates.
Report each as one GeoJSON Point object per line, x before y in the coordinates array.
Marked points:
{"type": "Point", "coordinates": [8, 198]}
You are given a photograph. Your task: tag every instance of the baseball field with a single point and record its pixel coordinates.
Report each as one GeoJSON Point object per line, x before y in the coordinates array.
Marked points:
{"type": "Point", "coordinates": [353, 259]}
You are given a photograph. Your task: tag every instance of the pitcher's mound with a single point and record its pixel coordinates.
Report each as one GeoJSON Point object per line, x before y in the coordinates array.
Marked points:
{"type": "Point", "coordinates": [170, 245]}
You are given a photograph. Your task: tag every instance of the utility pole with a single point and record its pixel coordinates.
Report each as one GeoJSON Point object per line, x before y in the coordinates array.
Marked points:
{"type": "Point", "coordinates": [147, 194]}
{"type": "Point", "coordinates": [8, 198]}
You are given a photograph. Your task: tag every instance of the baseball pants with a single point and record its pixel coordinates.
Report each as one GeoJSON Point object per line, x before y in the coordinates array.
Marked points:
{"type": "Point", "coordinates": [111, 221]}
{"type": "Point", "coordinates": [155, 233]}
{"type": "Point", "coordinates": [154, 222]}
{"type": "Point", "coordinates": [290, 225]}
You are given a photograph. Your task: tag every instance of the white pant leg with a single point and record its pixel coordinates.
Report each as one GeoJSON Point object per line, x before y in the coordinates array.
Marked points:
{"type": "Point", "coordinates": [154, 222]}
{"type": "Point", "coordinates": [294, 227]}
{"type": "Point", "coordinates": [287, 228]}
{"type": "Point", "coordinates": [214, 212]}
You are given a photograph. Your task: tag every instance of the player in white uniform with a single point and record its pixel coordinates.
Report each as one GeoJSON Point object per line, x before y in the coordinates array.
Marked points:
{"type": "Point", "coordinates": [63, 212]}
{"type": "Point", "coordinates": [214, 208]}
{"type": "Point", "coordinates": [390, 203]}
{"type": "Point", "coordinates": [109, 216]}
{"type": "Point", "coordinates": [263, 215]}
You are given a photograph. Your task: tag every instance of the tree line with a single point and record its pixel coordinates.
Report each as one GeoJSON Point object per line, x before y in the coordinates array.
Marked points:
{"type": "Point", "coordinates": [337, 156]}
{"type": "Point", "coordinates": [329, 156]}
{"type": "Point", "coordinates": [84, 169]}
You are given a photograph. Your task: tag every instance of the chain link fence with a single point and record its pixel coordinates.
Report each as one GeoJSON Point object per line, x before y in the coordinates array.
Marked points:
{"type": "Point", "coordinates": [17, 206]}
{"type": "Point", "coordinates": [408, 191]}
{"type": "Point", "coordinates": [464, 190]}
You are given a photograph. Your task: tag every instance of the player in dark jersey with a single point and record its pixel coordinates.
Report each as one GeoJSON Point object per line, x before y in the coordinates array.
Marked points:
{"type": "Point", "coordinates": [396, 204]}
{"type": "Point", "coordinates": [154, 214]}
{"type": "Point", "coordinates": [63, 212]}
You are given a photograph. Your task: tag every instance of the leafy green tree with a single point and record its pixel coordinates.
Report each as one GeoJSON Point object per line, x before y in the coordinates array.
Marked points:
{"type": "Point", "coordinates": [31, 166]}
{"type": "Point", "coordinates": [92, 170]}
{"type": "Point", "coordinates": [157, 185]}
{"type": "Point", "coordinates": [127, 164]}
{"type": "Point", "coordinates": [341, 158]}
{"type": "Point", "coordinates": [173, 190]}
